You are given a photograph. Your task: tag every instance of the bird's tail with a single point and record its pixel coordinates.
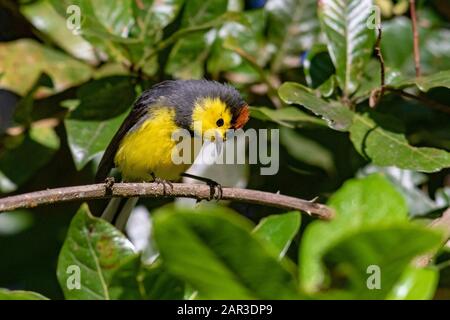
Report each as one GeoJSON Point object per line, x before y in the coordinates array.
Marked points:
{"type": "Point", "coordinates": [118, 211]}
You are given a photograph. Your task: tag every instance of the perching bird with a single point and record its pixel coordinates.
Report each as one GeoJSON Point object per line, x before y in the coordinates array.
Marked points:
{"type": "Point", "coordinates": [142, 147]}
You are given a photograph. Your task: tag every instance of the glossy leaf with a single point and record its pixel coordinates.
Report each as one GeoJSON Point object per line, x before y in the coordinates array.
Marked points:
{"type": "Point", "coordinates": [206, 248]}
{"type": "Point", "coordinates": [336, 115]}
{"type": "Point", "coordinates": [439, 79]}
{"type": "Point", "coordinates": [40, 144]}
{"type": "Point", "coordinates": [415, 284]}
{"type": "Point", "coordinates": [88, 138]}
{"type": "Point", "coordinates": [91, 253]}
{"type": "Point", "coordinates": [19, 77]}
{"type": "Point", "coordinates": [317, 66]}
{"type": "Point", "coordinates": [358, 204]}
{"type": "Point", "coordinates": [349, 39]}
{"type": "Point", "coordinates": [103, 104]}
{"type": "Point", "coordinates": [408, 183]}
{"type": "Point", "coordinates": [278, 231]}
{"type": "Point", "coordinates": [136, 281]}
{"type": "Point", "coordinates": [248, 37]}
{"type": "Point", "coordinates": [155, 15]}
{"type": "Point", "coordinates": [293, 27]}
{"type": "Point", "coordinates": [380, 138]}
{"type": "Point", "coordinates": [289, 117]}
{"type": "Point", "coordinates": [395, 31]}
{"type": "Point", "coordinates": [22, 113]}
{"type": "Point", "coordinates": [188, 55]}
{"type": "Point", "coordinates": [104, 98]}
{"type": "Point", "coordinates": [20, 295]}
{"type": "Point", "coordinates": [389, 249]}
{"type": "Point", "coordinates": [434, 46]}
{"type": "Point", "coordinates": [307, 150]}
{"type": "Point", "coordinates": [44, 17]}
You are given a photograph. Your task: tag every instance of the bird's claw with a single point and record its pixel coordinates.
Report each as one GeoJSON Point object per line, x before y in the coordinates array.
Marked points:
{"type": "Point", "coordinates": [164, 183]}
{"type": "Point", "coordinates": [216, 191]}
{"type": "Point", "coordinates": [109, 183]}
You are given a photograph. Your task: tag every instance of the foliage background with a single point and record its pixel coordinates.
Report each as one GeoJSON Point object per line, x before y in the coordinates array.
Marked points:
{"type": "Point", "coordinates": [62, 96]}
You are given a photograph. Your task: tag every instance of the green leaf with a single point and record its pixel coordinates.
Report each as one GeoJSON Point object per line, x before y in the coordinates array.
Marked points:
{"type": "Point", "coordinates": [408, 183]}
{"type": "Point", "coordinates": [434, 46]}
{"type": "Point", "coordinates": [87, 138]}
{"type": "Point", "coordinates": [135, 281]}
{"type": "Point", "coordinates": [188, 55]}
{"type": "Point", "coordinates": [415, 284]}
{"type": "Point", "coordinates": [6, 294]}
{"type": "Point", "coordinates": [19, 77]}
{"type": "Point", "coordinates": [390, 249]}
{"type": "Point", "coordinates": [307, 150]}
{"type": "Point", "coordinates": [40, 144]}
{"type": "Point", "coordinates": [379, 137]}
{"type": "Point", "coordinates": [155, 15]}
{"type": "Point", "coordinates": [318, 66]}
{"type": "Point", "coordinates": [289, 117]}
{"type": "Point", "coordinates": [248, 37]}
{"type": "Point", "coordinates": [278, 231]}
{"type": "Point", "coordinates": [107, 27]}
{"type": "Point", "coordinates": [198, 12]}
{"type": "Point", "coordinates": [44, 18]}
{"type": "Point", "coordinates": [206, 248]}
{"type": "Point", "coordinates": [327, 88]}
{"type": "Point", "coordinates": [337, 116]}
{"type": "Point", "coordinates": [440, 79]}
{"type": "Point", "coordinates": [349, 40]}
{"type": "Point", "coordinates": [292, 28]}
{"type": "Point", "coordinates": [24, 108]}
{"type": "Point", "coordinates": [395, 31]}
{"type": "Point", "coordinates": [359, 203]}
{"type": "Point", "coordinates": [99, 99]}
{"type": "Point", "coordinates": [97, 249]}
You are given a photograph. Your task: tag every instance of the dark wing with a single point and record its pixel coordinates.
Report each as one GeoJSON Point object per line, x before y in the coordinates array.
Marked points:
{"type": "Point", "coordinates": [107, 162]}
{"type": "Point", "coordinates": [137, 114]}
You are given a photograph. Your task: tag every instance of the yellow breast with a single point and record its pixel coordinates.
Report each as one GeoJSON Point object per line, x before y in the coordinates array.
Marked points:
{"type": "Point", "coordinates": [148, 149]}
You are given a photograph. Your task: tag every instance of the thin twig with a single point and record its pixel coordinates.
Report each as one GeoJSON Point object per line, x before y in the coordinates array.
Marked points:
{"type": "Point", "coordinates": [412, 8]}
{"type": "Point", "coordinates": [272, 90]}
{"type": "Point", "coordinates": [377, 94]}
{"type": "Point", "coordinates": [422, 98]}
{"type": "Point", "coordinates": [154, 190]}
{"type": "Point", "coordinates": [380, 58]}
{"type": "Point", "coordinates": [443, 224]}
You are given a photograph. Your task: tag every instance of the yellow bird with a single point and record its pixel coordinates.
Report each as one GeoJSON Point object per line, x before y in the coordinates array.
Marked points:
{"type": "Point", "coordinates": [142, 147]}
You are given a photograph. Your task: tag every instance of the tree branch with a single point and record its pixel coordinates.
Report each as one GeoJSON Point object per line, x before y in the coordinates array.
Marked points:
{"type": "Point", "coordinates": [154, 190]}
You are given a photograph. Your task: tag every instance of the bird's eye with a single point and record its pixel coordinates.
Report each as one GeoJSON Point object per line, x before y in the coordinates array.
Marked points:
{"type": "Point", "coordinates": [219, 122]}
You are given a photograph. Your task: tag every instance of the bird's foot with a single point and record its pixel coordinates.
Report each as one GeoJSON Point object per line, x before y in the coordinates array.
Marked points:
{"type": "Point", "coordinates": [216, 192]}
{"type": "Point", "coordinates": [109, 183]}
{"type": "Point", "coordinates": [164, 183]}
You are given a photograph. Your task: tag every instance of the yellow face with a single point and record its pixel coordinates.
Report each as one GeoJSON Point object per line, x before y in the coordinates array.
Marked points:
{"type": "Point", "coordinates": [211, 118]}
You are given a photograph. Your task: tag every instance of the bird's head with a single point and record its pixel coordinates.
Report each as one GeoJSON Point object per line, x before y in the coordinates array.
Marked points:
{"type": "Point", "coordinates": [217, 110]}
